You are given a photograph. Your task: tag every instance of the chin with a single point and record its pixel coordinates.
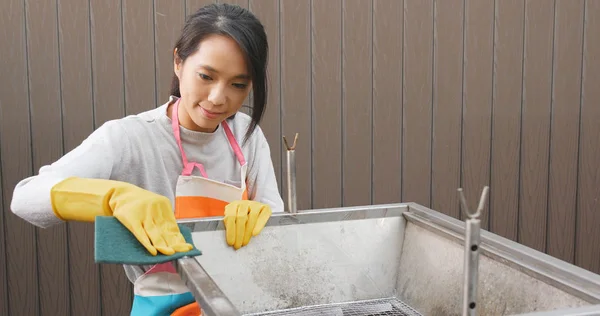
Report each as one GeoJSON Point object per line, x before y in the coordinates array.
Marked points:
{"type": "Point", "coordinates": [206, 124]}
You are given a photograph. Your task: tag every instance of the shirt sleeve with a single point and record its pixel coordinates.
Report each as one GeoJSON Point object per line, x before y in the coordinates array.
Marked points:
{"type": "Point", "coordinates": [93, 158]}
{"type": "Point", "coordinates": [263, 183]}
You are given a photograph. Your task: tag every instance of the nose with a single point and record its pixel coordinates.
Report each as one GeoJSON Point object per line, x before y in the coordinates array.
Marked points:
{"type": "Point", "coordinates": [217, 95]}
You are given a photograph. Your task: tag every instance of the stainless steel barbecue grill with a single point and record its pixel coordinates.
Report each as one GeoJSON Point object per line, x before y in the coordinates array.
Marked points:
{"type": "Point", "coordinates": [396, 259]}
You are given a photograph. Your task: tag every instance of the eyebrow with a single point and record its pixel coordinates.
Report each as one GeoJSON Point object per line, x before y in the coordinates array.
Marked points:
{"type": "Point", "coordinates": [211, 69]}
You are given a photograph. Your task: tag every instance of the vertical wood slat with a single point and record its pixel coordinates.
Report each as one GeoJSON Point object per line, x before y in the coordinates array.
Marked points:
{"type": "Point", "coordinates": [169, 19]}
{"type": "Point", "coordinates": [16, 272]}
{"type": "Point", "coordinates": [3, 262]}
{"type": "Point", "coordinates": [506, 117]}
{"type": "Point", "coordinates": [537, 98]}
{"type": "Point", "coordinates": [139, 55]}
{"type": "Point", "coordinates": [477, 97]}
{"type": "Point", "coordinates": [78, 123]}
{"type": "Point", "coordinates": [417, 116]}
{"type": "Point", "coordinates": [109, 103]}
{"type": "Point", "coordinates": [563, 121]}
{"type": "Point", "coordinates": [21, 254]}
{"type": "Point", "coordinates": [326, 103]}
{"type": "Point", "coordinates": [588, 199]}
{"type": "Point", "coordinates": [192, 6]}
{"type": "Point", "coordinates": [47, 146]}
{"type": "Point", "coordinates": [447, 105]}
{"type": "Point", "coordinates": [295, 93]}
{"type": "Point", "coordinates": [357, 106]}
{"type": "Point", "coordinates": [387, 100]}
{"type": "Point", "coordinates": [267, 11]}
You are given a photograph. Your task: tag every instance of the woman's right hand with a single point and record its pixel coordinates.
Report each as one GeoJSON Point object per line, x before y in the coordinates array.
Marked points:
{"type": "Point", "coordinates": [147, 215]}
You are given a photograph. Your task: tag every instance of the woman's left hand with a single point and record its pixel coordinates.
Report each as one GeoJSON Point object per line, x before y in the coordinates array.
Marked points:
{"type": "Point", "coordinates": [244, 219]}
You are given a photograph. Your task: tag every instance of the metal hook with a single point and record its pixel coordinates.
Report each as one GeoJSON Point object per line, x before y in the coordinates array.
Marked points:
{"type": "Point", "coordinates": [291, 174]}
{"type": "Point", "coordinates": [481, 205]}
{"type": "Point", "coordinates": [293, 145]}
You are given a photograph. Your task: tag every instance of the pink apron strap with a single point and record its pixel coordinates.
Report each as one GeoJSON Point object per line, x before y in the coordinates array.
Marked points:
{"type": "Point", "coordinates": [188, 167]}
{"type": "Point", "coordinates": [234, 144]}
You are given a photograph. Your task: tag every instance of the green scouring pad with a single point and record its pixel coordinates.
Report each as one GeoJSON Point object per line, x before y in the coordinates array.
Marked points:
{"type": "Point", "coordinates": [114, 243]}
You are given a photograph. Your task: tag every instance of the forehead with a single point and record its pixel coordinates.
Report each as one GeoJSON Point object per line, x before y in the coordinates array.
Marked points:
{"type": "Point", "coordinates": [220, 53]}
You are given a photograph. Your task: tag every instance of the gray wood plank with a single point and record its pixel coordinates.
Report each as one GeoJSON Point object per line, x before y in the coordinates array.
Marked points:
{"type": "Point", "coordinates": [588, 201]}
{"type": "Point", "coordinates": [139, 55]}
{"type": "Point", "coordinates": [107, 60]}
{"type": "Point", "coordinates": [109, 103]}
{"type": "Point", "coordinates": [387, 99]}
{"type": "Point", "coordinates": [192, 6]}
{"type": "Point", "coordinates": [477, 97]}
{"type": "Point", "coordinates": [78, 123]}
{"type": "Point", "coordinates": [447, 105]}
{"type": "Point", "coordinates": [357, 96]}
{"type": "Point", "coordinates": [563, 137]}
{"type": "Point", "coordinates": [267, 11]}
{"type": "Point", "coordinates": [326, 102]}
{"type": "Point", "coordinates": [169, 18]}
{"type": "Point", "coordinates": [18, 236]}
{"type": "Point", "coordinates": [296, 91]}
{"type": "Point", "coordinates": [506, 118]}
{"type": "Point", "coordinates": [418, 85]}
{"type": "Point", "coordinates": [47, 147]}
{"type": "Point", "coordinates": [537, 98]}
{"type": "Point", "coordinates": [3, 262]}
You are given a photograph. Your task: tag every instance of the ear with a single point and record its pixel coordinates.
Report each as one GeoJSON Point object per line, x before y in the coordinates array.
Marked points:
{"type": "Point", "coordinates": [177, 64]}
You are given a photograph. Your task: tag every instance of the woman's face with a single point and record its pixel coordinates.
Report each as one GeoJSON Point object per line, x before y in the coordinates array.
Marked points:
{"type": "Point", "coordinates": [213, 82]}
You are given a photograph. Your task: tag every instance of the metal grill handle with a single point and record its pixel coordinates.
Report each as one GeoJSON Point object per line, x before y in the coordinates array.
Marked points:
{"type": "Point", "coordinates": [471, 265]}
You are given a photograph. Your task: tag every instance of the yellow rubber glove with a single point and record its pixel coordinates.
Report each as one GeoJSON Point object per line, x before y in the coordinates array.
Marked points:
{"type": "Point", "coordinates": [244, 219]}
{"type": "Point", "coordinates": [149, 216]}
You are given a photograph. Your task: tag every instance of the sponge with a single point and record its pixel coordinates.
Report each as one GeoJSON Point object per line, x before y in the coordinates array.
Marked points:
{"type": "Point", "coordinates": [114, 243]}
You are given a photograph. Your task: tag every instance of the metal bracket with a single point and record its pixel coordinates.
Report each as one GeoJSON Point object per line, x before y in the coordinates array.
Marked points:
{"type": "Point", "coordinates": [291, 175]}
{"type": "Point", "coordinates": [471, 265]}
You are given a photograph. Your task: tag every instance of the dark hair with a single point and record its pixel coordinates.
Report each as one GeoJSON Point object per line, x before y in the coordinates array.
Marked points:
{"type": "Point", "coordinates": [243, 27]}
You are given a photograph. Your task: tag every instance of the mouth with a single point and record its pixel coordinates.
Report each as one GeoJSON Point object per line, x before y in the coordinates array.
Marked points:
{"type": "Point", "coordinates": [210, 114]}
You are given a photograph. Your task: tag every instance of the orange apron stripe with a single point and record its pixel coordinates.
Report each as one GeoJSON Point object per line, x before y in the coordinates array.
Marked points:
{"type": "Point", "coordinates": [201, 206]}
{"type": "Point", "coordinates": [192, 309]}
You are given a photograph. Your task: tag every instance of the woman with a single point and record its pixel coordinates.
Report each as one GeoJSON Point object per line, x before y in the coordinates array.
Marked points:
{"type": "Point", "coordinates": [194, 156]}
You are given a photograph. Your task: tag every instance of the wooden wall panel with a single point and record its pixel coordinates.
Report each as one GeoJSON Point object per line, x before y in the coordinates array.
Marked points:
{"type": "Point", "coordinates": [169, 17]}
{"type": "Point", "coordinates": [562, 121]}
{"type": "Point", "coordinates": [47, 146]}
{"type": "Point", "coordinates": [447, 105]}
{"type": "Point", "coordinates": [268, 12]}
{"type": "Point", "coordinates": [327, 103]}
{"type": "Point", "coordinates": [295, 94]}
{"type": "Point", "coordinates": [387, 100]}
{"type": "Point", "coordinates": [477, 99]}
{"type": "Point", "coordinates": [78, 123]}
{"type": "Point", "coordinates": [139, 55]}
{"type": "Point", "coordinates": [357, 98]}
{"type": "Point", "coordinates": [587, 253]}
{"type": "Point", "coordinates": [417, 109]}
{"type": "Point", "coordinates": [19, 258]}
{"type": "Point", "coordinates": [192, 5]}
{"type": "Point", "coordinates": [506, 117]}
{"type": "Point", "coordinates": [109, 103]}
{"type": "Point", "coordinates": [537, 98]}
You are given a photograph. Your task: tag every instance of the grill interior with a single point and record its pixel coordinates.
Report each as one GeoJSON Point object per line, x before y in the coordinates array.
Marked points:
{"type": "Point", "coordinates": [379, 307]}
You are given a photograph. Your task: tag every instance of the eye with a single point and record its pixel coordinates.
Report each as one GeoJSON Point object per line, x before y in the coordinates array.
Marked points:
{"type": "Point", "coordinates": [241, 86]}
{"type": "Point", "coordinates": [203, 76]}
